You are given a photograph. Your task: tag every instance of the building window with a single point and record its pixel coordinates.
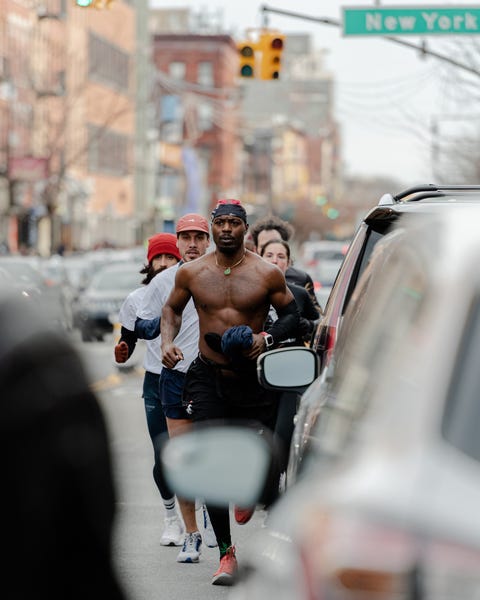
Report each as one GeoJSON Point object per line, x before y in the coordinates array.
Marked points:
{"type": "Point", "coordinates": [108, 151]}
{"type": "Point", "coordinates": [205, 116]}
{"type": "Point", "coordinates": [108, 63]}
{"type": "Point", "coordinates": [177, 69]}
{"type": "Point", "coordinates": [205, 73]}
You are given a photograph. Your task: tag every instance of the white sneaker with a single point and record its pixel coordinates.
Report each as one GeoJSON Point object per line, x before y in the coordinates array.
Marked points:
{"type": "Point", "coordinates": [173, 532]}
{"type": "Point", "coordinates": [192, 547]}
{"type": "Point", "coordinates": [208, 533]}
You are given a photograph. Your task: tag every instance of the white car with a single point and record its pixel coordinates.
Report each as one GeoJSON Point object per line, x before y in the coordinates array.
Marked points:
{"type": "Point", "coordinates": [388, 507]}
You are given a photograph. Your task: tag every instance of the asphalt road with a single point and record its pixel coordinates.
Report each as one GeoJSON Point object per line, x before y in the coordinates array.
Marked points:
{"type": "Point", "coordinates": [148, 570]}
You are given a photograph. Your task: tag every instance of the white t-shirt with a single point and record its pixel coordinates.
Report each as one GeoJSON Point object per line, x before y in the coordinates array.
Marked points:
{"type": "Point", "coordinates": [152, 304]}
{"type": "Point", "coordinates": [127, 316]}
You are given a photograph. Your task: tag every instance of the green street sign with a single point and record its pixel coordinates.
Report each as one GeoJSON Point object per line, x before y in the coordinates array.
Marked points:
{"type": "Point", "coordinates": [411, 20]}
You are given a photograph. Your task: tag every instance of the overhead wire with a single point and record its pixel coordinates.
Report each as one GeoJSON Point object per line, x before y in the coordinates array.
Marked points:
{"type": "Point", "coordinates": [386, 106]}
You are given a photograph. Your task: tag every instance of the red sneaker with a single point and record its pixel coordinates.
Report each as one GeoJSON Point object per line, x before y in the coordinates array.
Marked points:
{"type": "Point", "coordinates": [227, 571]}
{"type": "Point", "coordinates": [243, 515]}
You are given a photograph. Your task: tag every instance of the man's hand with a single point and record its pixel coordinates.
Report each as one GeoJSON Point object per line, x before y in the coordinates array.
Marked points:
{"type": "Point", "coordinates": [256, 348]}
{"type": "Point", "coordinates": [121, 352]}
{"type": "Point", "coordinates": [171, 355]}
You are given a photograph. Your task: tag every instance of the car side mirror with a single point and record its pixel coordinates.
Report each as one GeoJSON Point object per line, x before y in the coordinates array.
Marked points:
{"type": "Point", "coordinates": [293, 368]}
{"type": "Point", "coordinates": [219, 464]}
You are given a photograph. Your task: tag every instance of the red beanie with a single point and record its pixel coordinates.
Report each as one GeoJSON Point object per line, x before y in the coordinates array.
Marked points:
{"type": "Point", "coordinates": [162, 243]}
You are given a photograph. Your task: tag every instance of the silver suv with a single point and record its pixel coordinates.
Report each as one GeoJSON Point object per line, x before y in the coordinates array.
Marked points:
{"type": "Point", "coordinates": [420, 200]}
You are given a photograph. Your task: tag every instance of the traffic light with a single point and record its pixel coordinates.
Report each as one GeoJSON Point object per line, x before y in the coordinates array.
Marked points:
{"type": "Point", "coordinates": [271, 46]}
{"type": "Point", "coordinates": [246, 53]}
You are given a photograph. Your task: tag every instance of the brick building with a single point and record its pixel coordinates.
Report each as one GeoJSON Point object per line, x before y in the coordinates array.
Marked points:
{"type": "Point", "coordinates": [197, 119]}
{"type": "Point", "coordinates": [67, 124]}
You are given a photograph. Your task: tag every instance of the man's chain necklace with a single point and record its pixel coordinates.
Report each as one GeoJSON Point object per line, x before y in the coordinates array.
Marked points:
{"type": "Point", "coordinates": [228, 270]}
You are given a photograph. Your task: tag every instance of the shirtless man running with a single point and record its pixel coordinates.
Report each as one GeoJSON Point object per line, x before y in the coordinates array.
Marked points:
{"type": "Point", "coordinates": [232, 289]}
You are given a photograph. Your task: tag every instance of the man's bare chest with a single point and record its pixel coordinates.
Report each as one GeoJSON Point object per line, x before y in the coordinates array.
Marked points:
{"type": "Point", "coordinates": [241, 291]}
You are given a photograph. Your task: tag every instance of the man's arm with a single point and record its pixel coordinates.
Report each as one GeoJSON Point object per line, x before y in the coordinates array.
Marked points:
{"type": "Point", "coordinates": [287, 324]}
{"type": "Point", "coordinates": [171, 320]}
{"type": "Point", "coordinates": [303, 279]}
{"type": "Point", "coordinates": [281, 298]}
{"type": "Point", "coordinates": [147, 329]}
{"type": "Point", "coordinates": [126, 316]}
{"type": "Point", "coordinates": [147, 324]}
{"type": "Point", "coordinates": [125, 346]}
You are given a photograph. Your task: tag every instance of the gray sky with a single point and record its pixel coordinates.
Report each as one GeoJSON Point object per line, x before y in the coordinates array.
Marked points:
{"type": "Point", "coordinates": [386, 96]}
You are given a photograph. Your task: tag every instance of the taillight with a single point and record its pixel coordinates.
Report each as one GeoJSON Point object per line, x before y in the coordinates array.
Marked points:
{"type": "Point", "coordinates": [330, 339]}
{"type": "Point", "coordinates": [350, 559]}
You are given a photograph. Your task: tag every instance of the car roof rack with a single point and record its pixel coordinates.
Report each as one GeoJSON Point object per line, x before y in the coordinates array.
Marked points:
{"type": "Point", "coordinates": [433, 189]}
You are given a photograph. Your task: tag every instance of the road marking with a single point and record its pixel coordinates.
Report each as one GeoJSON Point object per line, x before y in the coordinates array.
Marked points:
{"type": "Point", "coordinates": [113, 380]}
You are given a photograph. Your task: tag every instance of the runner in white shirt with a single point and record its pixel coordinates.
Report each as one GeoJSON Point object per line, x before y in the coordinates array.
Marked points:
{"type": "Point", "coordinates": [162, 254]}
{"type": "Point", "coordinates": [193, 239]}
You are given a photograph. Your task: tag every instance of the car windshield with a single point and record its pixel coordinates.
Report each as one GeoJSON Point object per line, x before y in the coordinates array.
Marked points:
{"type": "Point", "coordinates": [22, 271]}
{"type": "Point", "coordinates": [462, 410]}
{"type": "Point", "coordinates": [125, 280]}
{"type": "Point", "coordinates": [6, 277]}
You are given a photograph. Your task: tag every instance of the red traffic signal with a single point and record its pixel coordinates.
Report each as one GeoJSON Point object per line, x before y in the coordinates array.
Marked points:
{"type": "Point", "coordinates": [277, 43]}
{"type": "Point", "coordinates": [271, 45]}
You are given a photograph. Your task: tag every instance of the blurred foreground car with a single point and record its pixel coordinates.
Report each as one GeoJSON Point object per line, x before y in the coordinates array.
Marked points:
{"type": "Point", "coordinates": [96, 309]}
{"type": "Point", "coordinates": [387, 509]}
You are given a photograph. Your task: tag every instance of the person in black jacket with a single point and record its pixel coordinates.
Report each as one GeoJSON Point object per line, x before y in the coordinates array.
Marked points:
{"type": "Point", "coordinates": [274, 228]}
{"type": "Point", "coordinates": [278, 253]}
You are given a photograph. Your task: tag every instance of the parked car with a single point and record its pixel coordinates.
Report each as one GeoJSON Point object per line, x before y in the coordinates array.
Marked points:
{"type": "Point", "coordinates": [8, 282]}
{"type": "Point", "coordinates": [79, 271]}
{"type": "Point", "coordinates": [322, 260]}
{"type": "Point", "coordinates": [97, 307]}
{"type": "Point", "coordinates": [28, 277]}
{"type": "Point", "coordinates": [387, 508]}
{"type": "Point", "coordinates": [374, 226]}
{"type": "Point", "coordinates": [56, 277]}
{"type": "Point", "coordinates": [315, 252]}
{"type": "Point", "coordinates": [24, 274]}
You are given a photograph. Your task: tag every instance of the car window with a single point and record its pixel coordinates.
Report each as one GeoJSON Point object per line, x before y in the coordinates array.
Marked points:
{"type": "Point", "coordinates": [115, 279]}
{"type": "Point", "coordinates": [373, 238]}
{"type": "Point", "coordinates": [345, 273]}
{"type": "Point", "coordinates": [23, 272]}
{"type": "Point", "coordinates": [462, 410]}
{"type": "Point", "coordinates": [368, 339]}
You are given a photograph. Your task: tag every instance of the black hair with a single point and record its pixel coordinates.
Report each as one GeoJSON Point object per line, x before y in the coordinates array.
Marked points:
{"type": "Point", "coordinates": [270, 223]}
{"type": "Point", "coordinates": [150, 273]}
